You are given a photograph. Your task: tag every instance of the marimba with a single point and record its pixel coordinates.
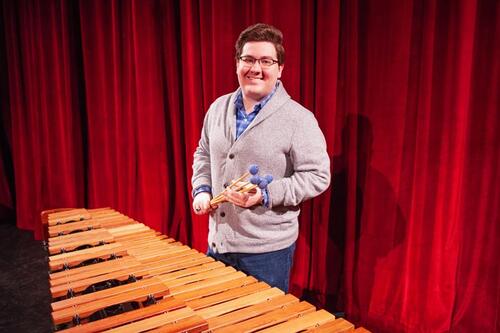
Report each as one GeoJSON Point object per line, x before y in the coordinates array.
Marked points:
{"type": "Point", "coordinates": [108, 272]}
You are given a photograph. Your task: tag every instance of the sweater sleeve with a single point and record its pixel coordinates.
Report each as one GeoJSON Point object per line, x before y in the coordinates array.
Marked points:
{"type": "Point", "coordinates": [311, 166]}
{"type": "Point", "coordinates": [201, 159]}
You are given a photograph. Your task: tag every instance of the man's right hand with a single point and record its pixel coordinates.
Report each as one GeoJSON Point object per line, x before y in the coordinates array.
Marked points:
{"type": "Point", "coordinates": [201, 203]}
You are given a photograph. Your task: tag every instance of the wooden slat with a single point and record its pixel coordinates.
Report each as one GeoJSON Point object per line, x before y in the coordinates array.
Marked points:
{"type": "Point", "coordinates": [339, 325]}
{"type": "Point", "coordinates": [171, 253]}
{"type": "Point", "coordinates": [307, 321]}
{"type": "Point", "coordinates": [197, 269]}
{"type": "Point", "coordinates": [174, 290]}
{"type": "Point", "coordinates": [165, 305]}
{"type": "Point", "coordinates": [128, 229]}
{"type": "Point", "coordinates": [172, 283]}
{"type": "Point", "coordinates": [223, 308]}
{"type": "Point", "coordinates": [101, 236]}
{"type": "Point", "coordinates": [227, 295]}
{"type": "Point", "coordinates": [154, 322]}
{"type": "Point", "coordinates": [88, 234]}
{"type": "Point", "coordinates": [220, 287]}
{"type": "Point", "coordinates": [183, 260]}
{"type": "Point", "coordinates": [65, 256]}
{"type": "Point", "coordinates": [87, 298]}
{"type": "Point", "coordinates": [57, 261]}
{"type": "Point", "coordinates": [85, 272]}
{"type": "Point", "coordinates": [252, 311]}
{"type": "Point", "coordinates": [71, 227]}
{"type": "Point", "coordinates": [106, 216]}
{"type": "Point", "coordinates": [138, 236]}
{"type": "Point", "coordinates": [193, 324]}
{"type": "Point", "coordinates": [68, 216]}
{"type": "Point", "coordinates": [67, 212]}
{"type": "Point", "coordinates": [271, 318]}
{"type": "Point", "coordinates": [80, 285]}
{"type": "Point", "coordinates": [116, 222]}
{"type": "Point", "coordinates": [86, 309]}
{"type": "Point", "coordinates": [100, 210]}
{"type": "Point", "coordinates": [150, 246]}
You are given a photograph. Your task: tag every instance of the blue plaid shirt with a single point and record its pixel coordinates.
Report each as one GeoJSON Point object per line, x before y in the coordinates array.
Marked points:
{"type": "Point", "coordinates": [243, 120]}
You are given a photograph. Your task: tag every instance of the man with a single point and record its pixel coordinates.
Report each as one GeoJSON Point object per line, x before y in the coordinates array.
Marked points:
{"type": "Point", "coordinates": [258, 124]}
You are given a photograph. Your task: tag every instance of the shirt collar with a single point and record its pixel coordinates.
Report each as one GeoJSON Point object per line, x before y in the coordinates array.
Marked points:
{"type": "Point", "coordinates": [238, 102]}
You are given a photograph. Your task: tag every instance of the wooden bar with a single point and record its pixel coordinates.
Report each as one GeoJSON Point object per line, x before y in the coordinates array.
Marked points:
{"type": "Point", "coordinates": [163, 306]}
{"type": "Point", "coordinates": [86, 309]}
{"type": "Point", "coordinates": [102, 294]}
{"type": "Point", "coordinates": [339, 325]}
{"type": "Point", "coordinates": [253, 311]}
{"type": "Point", "coordinates": [271, 318]}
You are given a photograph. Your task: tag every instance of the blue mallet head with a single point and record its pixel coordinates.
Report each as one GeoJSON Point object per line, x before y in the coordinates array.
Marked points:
{"type": "Point", "coordinates": [263, 184]}
{"type": "Point", "coordinates": [255, 180]}
{"type": "Point", "coordinates": [254, 169]}
{"type": "Point", "coordinates": [269, 178]}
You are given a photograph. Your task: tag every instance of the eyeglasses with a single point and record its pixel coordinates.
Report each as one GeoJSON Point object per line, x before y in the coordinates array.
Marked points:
{"type": "Point", "coordinates": [264, 62]}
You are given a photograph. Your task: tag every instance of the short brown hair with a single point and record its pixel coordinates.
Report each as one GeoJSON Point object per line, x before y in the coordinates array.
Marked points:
{"type": "Point", "coordinates": [261, 32]}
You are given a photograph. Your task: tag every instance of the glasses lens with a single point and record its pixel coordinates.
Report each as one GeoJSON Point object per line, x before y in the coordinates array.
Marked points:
{"type": "Point", "coordinates": [266, 62]}
{"type": "Point", "coordinates": [248, 60]}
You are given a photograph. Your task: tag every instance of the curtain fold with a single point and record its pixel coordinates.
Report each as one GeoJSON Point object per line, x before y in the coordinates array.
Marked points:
{"type": "Point", "coordinates": [45, 123]}
{"type": "Point", "coordinates": [103, 104]}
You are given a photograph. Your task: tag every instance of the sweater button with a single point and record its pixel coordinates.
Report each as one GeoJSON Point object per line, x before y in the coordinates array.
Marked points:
{"type": "Point", "coordinates": [222, 214]}
{"type": "Point", "coordinates": [231, 156]}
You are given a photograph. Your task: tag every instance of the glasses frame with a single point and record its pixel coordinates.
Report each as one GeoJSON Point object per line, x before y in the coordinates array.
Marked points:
{"type": "Point", "coordinates": [255, 60]}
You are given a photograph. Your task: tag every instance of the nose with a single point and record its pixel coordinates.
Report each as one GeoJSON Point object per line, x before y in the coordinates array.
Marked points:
{"type": "Point", "coordinates": [256, 67]}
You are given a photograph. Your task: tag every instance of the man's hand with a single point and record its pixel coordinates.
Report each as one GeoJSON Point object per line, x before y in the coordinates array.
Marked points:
{"type": "Point", "coordinates": [201, 203]}
{"type": "Point", "coordinates": [248, 199]}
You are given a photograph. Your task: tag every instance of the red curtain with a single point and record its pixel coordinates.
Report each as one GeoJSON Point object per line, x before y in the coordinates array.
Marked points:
{"type": "Point", "coordinates": [103, 101]}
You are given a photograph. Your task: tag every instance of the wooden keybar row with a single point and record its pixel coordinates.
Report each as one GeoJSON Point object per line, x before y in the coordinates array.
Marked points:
{"type": "Point", "coordinates": [108, 272]}
{"type": "Point", "coordinates": [65, 222]}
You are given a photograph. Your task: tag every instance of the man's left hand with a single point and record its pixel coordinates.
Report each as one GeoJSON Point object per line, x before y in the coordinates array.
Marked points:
{"type": "Point", "coordinates": [245, 200]}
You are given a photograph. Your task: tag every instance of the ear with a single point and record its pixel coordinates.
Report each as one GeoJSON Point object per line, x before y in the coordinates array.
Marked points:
{"type": "Point", "coordinates": [280, 69]}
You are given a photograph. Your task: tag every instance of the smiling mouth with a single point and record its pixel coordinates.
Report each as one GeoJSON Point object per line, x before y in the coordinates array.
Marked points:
{"type": "Point", "coordinates": [254, 78]}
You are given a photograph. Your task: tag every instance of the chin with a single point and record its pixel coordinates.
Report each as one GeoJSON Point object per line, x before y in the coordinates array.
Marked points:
{"type": "Point", "coordinates": [256, 92]}
{"type": "Point", "coordinates": [256, 95]}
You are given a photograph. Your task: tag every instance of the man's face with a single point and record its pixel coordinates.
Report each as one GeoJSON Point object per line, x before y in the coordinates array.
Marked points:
{"type": "Point", "coordinates": [257, 81]}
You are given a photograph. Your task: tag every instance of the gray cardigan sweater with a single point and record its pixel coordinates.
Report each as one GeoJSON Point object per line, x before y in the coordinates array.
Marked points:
{"type": "Point", "coordinates": [284, 140]}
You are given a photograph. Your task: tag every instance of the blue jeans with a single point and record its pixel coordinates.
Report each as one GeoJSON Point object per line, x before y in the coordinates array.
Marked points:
{"type": "Point", "coordinates": [271, 267]}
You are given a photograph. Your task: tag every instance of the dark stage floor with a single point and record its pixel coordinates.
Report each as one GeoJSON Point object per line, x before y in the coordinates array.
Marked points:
{"type": "Point", "coordinates": [24, 293]}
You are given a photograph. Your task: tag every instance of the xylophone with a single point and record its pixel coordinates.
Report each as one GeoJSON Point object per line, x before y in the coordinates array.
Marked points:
{"type": "Point", "coordinates": [108, 272]}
